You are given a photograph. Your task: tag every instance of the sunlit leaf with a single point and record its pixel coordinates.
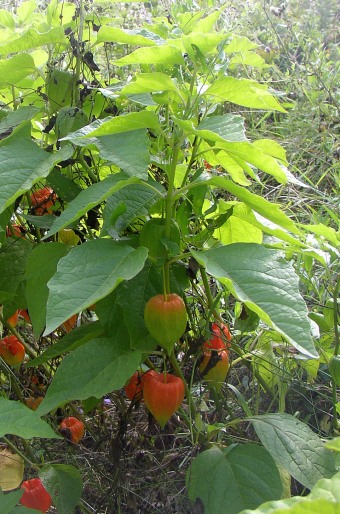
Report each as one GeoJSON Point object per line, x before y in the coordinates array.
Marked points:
{"type": "Point", "coordinates": [261, 279]}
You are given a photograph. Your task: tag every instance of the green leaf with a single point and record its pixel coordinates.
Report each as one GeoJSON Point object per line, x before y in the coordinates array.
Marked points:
{"type": "Point", "coordinates": [149, 83]}
{"type": "Point", "coordinates": [89, 198]}
{"type": "Point", "coordinates": [261, 279]}
{"type": "Point", "coordinates": [268, 210]}
{"type": "Point", "coordinates": [8, 501]}
{"type": "Point", "coordinates": [22, 164]}
{"type": "Point", "coordinates": [71, 341]}
{"type": "Point", "coordinates": [6, 19]}
{"type": "Point", "coordinates": [94, 369]}
{"type": "Point", "coordinates": [165, 54]}
{"type": "Point", "coordinates": [239, 44]}
{"type": "Point", "coordinates": [245, 92]}
{"type": "Point", "coordinates": [88, 273]}
{"type": "Point", "coordinates": [13, 256]}
{"type": "Point", "coordinates": [206, 24]}
{"type": "Point", "coordinates": [16, 69]}
{"type": "Point", "coordinates": [295, 447]}
{"type": "Point", "coordinates": [334, 444]}
{"type": "Point", "coordinates": [242, 214]}
{"type": "Point", "coordinates": [234, 478]}
{"type": "Point", "coordinates": [221, 158]}
{"type": "Point", "coordinates": [128, 151]}
{"type": "Point", "coordinates": [33, 39]}
{"type": "Point", "coordinates": [142, 287]}
{"type": "Point", "coordinates": [270, 147]}
{"type": "Point", "coordinates": [324, 498]}
{"type": "Point", "coordinates": [247, 59]}
{"type": "Point", "coordinates": [65, 485]}
{"type": "Point", "coordinates": [229, 127]}
{"type": "Point", "coordinates": [136, 200]}
{"type": "Point", "coordinates": [129, 37]}
{"type": "Point", "coordinates": [65, 188]}
{"type": "Point", "coordinates": [15, 118]}
{"type": "Point", "coordinates": [240, 227]}
{"type": "Point", "coordinates": [17, 419]}
{"type": "Point", "coordinates": [41, 266]}
{"type": "Point", "coordinates": [257, 157]}
{"type": "Point", "coordinates": [327, 233]}
{"type": "Point", "coordinates": [125, 123]}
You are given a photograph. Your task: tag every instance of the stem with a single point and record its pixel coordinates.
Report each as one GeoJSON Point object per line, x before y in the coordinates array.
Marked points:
{"type": "Point", "coordinates": [13, 380]}
{"type": "Point", "coordinates": [179, 373]}
{"type": "Point", "coordinates": [335, 313]}
{"type": "Point", "coordinates": [210, 298]}
{"type": "Point", "coordinates": [18, 452]}
{"type": "Point", "coordinates": [76, 92]}
{"type": "Point", "coordinates": [336, 350]}
{"type": "Point", "coordinates": [87, 168]}
{"type": "Point", "coordinates": [334, 402]}
{"type": "Point", "coordinates": [168, 209]}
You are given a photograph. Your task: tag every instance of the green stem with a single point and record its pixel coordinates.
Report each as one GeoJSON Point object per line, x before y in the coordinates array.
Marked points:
{"type": "Point", "coordinates": [87, 168]}
{"type": "Point", "coordinates": [179, 373]}
{"type": "Point", "coordinates": [12, 379]}
{"type": "Point", "coordinates": [336, 351]}
{"type": "Point", "coordinates": [18, 452]}
{"type": "Point", "coordinates": [168, 209]}
{"type": "Point", "coordinates": [335, 313]}
{"type": "Point", "coordinates": [76, 92]}
{"type": "Point", "coordinates": [210, 298]}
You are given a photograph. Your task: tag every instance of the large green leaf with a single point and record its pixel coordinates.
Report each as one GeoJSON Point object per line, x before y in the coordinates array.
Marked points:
{"type": "Point", "coordinates": [267, 209]}
{"type": "Point", "coordinates": [15, 118]}
{"type": "Point", "coordinates": [17, 419]}
{"type": "Point", "coordinates": [239, 44]}
{"type": "Point", "coordinates": [295, 447]}
{"type": "Point", "coordinates": [267, 284]}
{"type": "Point", "coordinates": [8, 502]}
{"type": "Point", "coordinates": [129, 37]}
{"type": "Point", "coordinates": [231, 479]}
{"type": "Point", "coordinates": [7, 19]}
{"type": "Point", "coordinates": [248, 153]}
{"type": "Point", "coordinates": [33, 39]}
{"type": "Point", "coordinates": [127, 150]}
{"type": "Point", "coordinates": [88, 273]}
{"type": "Point", "coordinates": [93, 369]}
{"type": "Point", "coordinates": [323, 499]}
{"type": "Point", "coordinates": [22, 164]}
{"type": "Point", "coordinates": [229, 127]}
{"type": "Point", "coordinates": [65, 485]}
{"type": "Point", "coordinates": [13, 256]}
{"type": "Point", "coordinates": [89, 198]}
{"type": "Point", "coordinates": [149, 83]}
{"type": "Point", "coordinates": [129, 203]}
{"type": "Point", "coordinates": [125, 123]}
{"type": "Point", "coordinates": [165, 54]}
{"type": "Point", "coordinates": [15, 69]}
{"type": "Point", "coordinates": [41, 266]}
{"type": "Point", "coordinates": [245, 92]}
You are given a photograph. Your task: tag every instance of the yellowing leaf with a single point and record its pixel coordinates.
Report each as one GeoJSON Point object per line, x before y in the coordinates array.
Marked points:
{"type": "Point", "coordinates": [11, 470]}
